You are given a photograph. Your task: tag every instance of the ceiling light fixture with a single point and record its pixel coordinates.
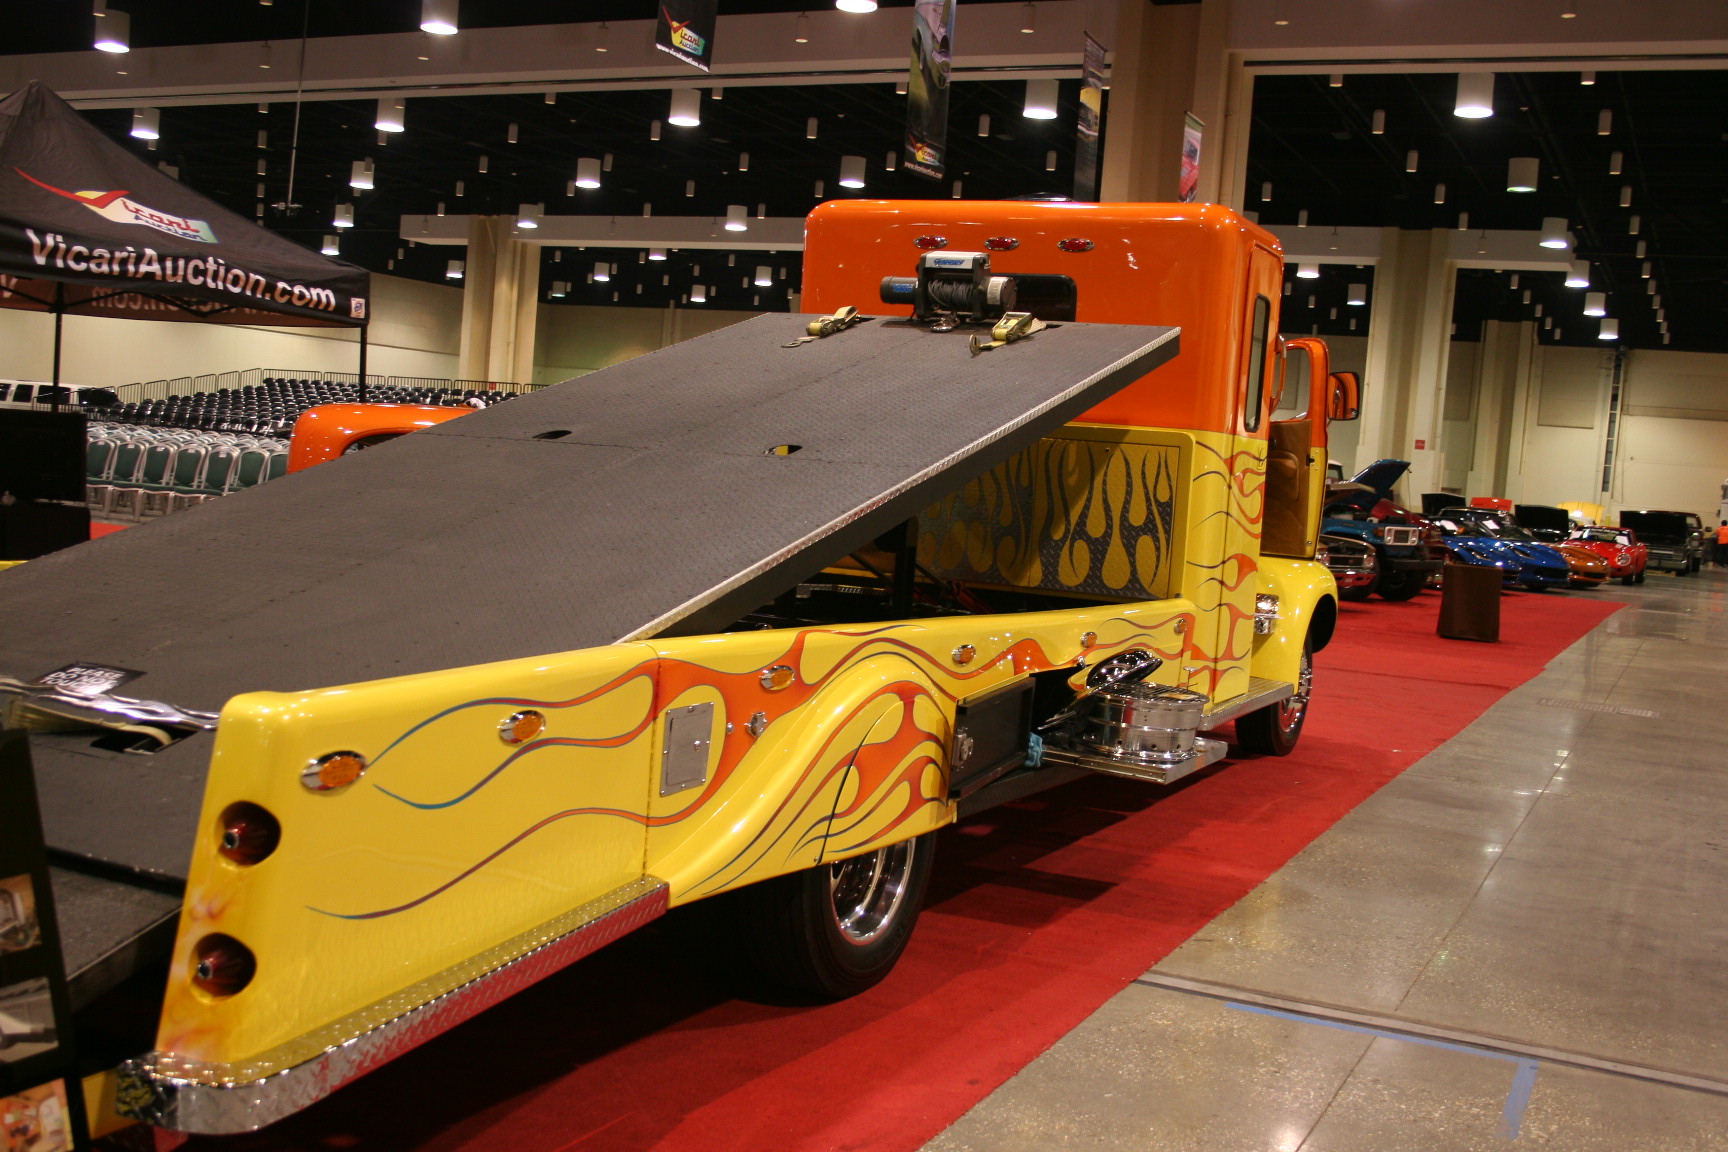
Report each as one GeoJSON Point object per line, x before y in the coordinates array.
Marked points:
{"type": "Point", "coordinates": [1605, 122]}
{"type": "Point", "coordinates": [1040, 100]}
{"type": "Point", "coordinates": [1439, 193]}
{"type": "Point", "coordinates": [857, 7]}
{"type": "Point", "coordinates": [1475, 98]}
{"type": "Point", "coordinates": [332, 244]}
{"type": "Point", "coordinates": [588, 172]}
{"type": "Point", "coordinates": [698, 293]}
{"type": "Point", "coordinates": [1632, 226]}
{"type": "Point", "coordinates": [810, 128]}
{"type": "Point", "coordinates": [851, 171]}
{"type": "Point", "coordinates": [528, 215]}
{"type": "Point", "coordinates": [1586, 78]}
{"type": "Point", "coordinates": [1050, 160]}
{"type": "Point", "coordinates": [735, 218]}
{"type": "Point", "coordinates": [1307, 271]}
{"type": "Point", "coordinates": [801, 30]}
{"type": "Point", "coordinates": [391, 114]}
{"type": "Point", "coordinates": [113, 31]}
{"type": "Point", "coordinates": [743, 161]}
{"type": "Point", "coordinates": [984, 125]}
{"type": "Point", "coordinates": [602, 37]}
{"type": "Point", "coordinates": [1595, 304]}
{"type": "Point", "coordinates": [656, 253]}
{"type": "Point", "coordinates": [891, 162]}
{"type": "Point", "coordinates": [1626, 196]}
{"type": "Point", "coordinates": [344, 217]}
{"type": "Point", "coordinates": [764, 276]}
{"type": "Point", "coordinates": [510, 134]}
{"type": "Point", "coordinates": [602, 272]}
{"type": "Point", "coordinates": [1521, 173]}
{"type": "Point", "coordinates": [147, 123]}
{"type": "Point", "coordinates": [1377, 124]}
{"type": "Point", "coordinates": [1356, 294]}
{"type": "Point", "coordinates": [361, 175]}
{"type": "Point", "coordinates": [454, 270]}
{"type": "Point", "coordinates": [1463, 221]}
{"type": "Point", "coordinates": [1615, 160]}
{"type": "Point", "coordinates": [1029, 19]}
{"type": "Point", "coordinates": [1610, 329]}
{"type": "Point", "coordinates": [1578, 274]}
{"type": "Point", "coordinates": [1554, 233]}
{"type": "Point", "coordinates": [958, 191]}
{"type": "Point", "coordinates": [686, 107]}
{"type": "Point", "coordinates": [1410, 159]}
{"type": "Point", "coordinates": [654, 130]}
{"type": "Point", "coordinates": [438, 17]}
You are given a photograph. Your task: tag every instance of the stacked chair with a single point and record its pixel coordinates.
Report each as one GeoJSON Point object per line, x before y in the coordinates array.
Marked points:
{"type": "Point", "coordinates": [151, 457]}
{"type": "Point", "coordinates": [133, 472]}
{"type": "Point", "coordinates": [270, 408]}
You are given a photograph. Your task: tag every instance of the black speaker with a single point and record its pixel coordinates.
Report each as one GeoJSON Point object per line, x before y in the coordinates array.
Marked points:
{"type": "Point", "coordinates": [42, 454]}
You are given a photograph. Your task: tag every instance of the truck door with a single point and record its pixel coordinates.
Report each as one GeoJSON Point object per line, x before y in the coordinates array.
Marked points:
{"type": "Point", "coordinates": [1296, 461]}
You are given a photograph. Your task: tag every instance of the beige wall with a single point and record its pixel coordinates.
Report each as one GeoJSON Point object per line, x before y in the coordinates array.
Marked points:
{"type": "Point", "coordinates": [414, 332]}
{"type": "Point", "coordinates": [577, 339]}
{"type": "Point", "coordinates": [1673, 442]}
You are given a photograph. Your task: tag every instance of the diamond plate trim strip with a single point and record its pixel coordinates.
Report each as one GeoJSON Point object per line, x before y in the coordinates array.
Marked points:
{"type": "Point", "coordinates": [216, 1099]}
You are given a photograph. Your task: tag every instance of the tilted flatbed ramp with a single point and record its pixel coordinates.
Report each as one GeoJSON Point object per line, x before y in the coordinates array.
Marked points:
{"type": "Point", "coordinates": [640, 500]}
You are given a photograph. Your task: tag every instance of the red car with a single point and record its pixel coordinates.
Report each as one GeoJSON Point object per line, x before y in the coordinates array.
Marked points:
{"type": "Point", "coordinates": [1619, 547]}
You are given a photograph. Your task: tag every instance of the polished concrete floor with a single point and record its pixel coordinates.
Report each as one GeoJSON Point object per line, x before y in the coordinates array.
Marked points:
{"type": "Point", "coordinates": [1521, 940]}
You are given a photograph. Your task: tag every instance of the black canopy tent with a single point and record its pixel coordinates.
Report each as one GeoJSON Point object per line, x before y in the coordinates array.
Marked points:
{"type": "Point", "coordinates": [87, 228]}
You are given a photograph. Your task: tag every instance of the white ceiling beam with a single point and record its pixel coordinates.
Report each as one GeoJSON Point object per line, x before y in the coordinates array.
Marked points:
{"type": "Point", "coordinates": [774, 234]}
{"type": "Point", "coordinates": [1506, 249]}
{"type": "Point", "coordinates": [749, 50]}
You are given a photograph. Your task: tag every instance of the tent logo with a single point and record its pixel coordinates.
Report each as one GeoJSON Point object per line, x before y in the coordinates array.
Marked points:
{"type": "Point", "coordinates": [683, 38]}
{"type": "Point", "coordinates": [122, 209]}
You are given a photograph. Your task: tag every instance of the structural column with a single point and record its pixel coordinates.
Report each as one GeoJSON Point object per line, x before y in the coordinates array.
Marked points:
{"type": "Point", "coordinates": [1409, 342]}
{"type": "Point", "coordinates": [1172, 60]}
{"type": "Point", "coordinates": [500, 303]}
{"type": "Point", "coordinates": [1508, 361]}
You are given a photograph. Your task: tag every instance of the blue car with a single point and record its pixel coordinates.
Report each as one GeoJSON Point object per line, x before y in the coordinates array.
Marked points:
{"type": "Point", "coordinates": [1480, 536]}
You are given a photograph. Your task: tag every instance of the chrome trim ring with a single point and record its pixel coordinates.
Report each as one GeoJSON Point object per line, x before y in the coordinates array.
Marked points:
{"type": "Point", "coordinates": [865, 892]}
{"type": "Point", "coordinates": [1292, 709]}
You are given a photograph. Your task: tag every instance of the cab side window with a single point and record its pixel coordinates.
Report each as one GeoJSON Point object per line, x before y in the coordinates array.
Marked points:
{"type": "Point", "coordinates": [1254, 387]}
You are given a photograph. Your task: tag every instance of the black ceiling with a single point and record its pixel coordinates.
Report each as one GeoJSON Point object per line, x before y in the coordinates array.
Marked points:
{"type": "Point", "coordinates": [1311, 141]}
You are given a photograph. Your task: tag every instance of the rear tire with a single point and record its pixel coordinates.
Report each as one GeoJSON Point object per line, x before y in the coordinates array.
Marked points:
{"type": "Point", "coordinates": [836, 929]}
{"type": "Point", "coordinates": [1356, 595]}
{"type": "Point", "coordinates": [1629, 579]}
{"type": "Point", "coordinates": [1274, 729]}
{"type": "Point", "coordinates": [1641, 572]}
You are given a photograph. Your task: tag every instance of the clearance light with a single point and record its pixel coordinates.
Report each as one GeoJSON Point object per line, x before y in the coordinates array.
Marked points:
{"type": "Point", "coordinates": [333, 772]}
{"type": "Point", "coordinates": [521, 727]}
{"type": "Point", "coordinates": [222, 965]}
{"type": "Point", "coordinates": [1001, 243]}
{"type": "Point", "coordinates": [929, 243]}
{"type": "Point", "coordinates": [1074, 244]}
{"type": "Point", "coordinates": [248, 833]}
{"type": "Point", "coordinates": [778, 677]}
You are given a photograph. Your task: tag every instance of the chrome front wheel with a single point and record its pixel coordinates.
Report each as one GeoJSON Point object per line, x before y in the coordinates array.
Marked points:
{"type": "Point", "coordinates": [866, 893]}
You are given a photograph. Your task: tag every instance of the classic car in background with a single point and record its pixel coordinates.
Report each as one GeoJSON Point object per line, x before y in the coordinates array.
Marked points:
{"type": "Point", "coordinates": [1352, 563]}
{"type": "Point", "coordinates": [1619, 548]}
{"type": "Point", "coordinates": [1522, 563]}
{"type": "Point", "coordinates": [1675, 539]}
{"type": "Point", "coordinates": [1361, 509]}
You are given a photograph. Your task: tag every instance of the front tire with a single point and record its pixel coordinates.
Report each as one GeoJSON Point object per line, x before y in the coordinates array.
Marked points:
{"type": "Point", "coordinates": [1274, 729]}
{"type": "Point", "coordinates": [1401, 586]}
{"type": "Point", "coordinates": [836, 929]}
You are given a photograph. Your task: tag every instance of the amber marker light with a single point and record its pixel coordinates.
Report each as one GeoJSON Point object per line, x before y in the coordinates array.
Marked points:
{"type": "Point", "coordinates": [249, 833]}
{"type": "Point", "coordinates": [333, 772]}
{"type": "Point", "coordinates": [521, 727]}
{"type": "Point", "coordinates": [222, 965]}
{"type": "Point", "coordinates": [778, 677]}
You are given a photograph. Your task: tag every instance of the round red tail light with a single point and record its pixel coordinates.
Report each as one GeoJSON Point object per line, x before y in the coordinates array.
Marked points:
{"type": "Point", "coordinates": [248, 833]}
{"type": "Point", "coordinates": [222, 965]}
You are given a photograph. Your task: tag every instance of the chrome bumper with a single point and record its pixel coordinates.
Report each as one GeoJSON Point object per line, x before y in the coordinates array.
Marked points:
{"type": "Point", "coordinates": [217, 1099]}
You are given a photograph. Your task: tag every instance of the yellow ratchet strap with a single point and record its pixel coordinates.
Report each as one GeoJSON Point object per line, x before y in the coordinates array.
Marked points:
{"type": "Point", "coordinates": [1013, 326]}
{"type": "Point", "coordinates": [845, 318]}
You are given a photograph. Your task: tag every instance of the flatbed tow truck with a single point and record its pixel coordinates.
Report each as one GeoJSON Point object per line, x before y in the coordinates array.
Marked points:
{"type": "Point", "coordinates": [335, 763]}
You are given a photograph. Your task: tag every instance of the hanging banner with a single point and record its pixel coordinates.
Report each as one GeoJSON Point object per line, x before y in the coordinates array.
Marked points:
{"type": "Point", "coordinates": [927, 88]}
{"type": "Point", "coordinates": [1189, 183]}
{"type": "Point", "coordinates": [1091, 120]}
{"type": "Point", "coordinates": [686, 30]}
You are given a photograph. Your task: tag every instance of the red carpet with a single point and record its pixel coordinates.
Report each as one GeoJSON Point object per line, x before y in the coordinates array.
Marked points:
{"type": "Point", "coordinates": [1038, 913]}
{"type": "Point", "coordinates": [99, 530]}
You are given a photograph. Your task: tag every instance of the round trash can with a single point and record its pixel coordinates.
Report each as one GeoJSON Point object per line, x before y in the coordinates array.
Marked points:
{"type": "Point", "coordinates": [1470, 603]}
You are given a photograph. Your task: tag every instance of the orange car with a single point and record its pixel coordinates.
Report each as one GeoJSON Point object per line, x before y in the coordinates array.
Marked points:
{"type": "Point", "coordinates": [331, 430]}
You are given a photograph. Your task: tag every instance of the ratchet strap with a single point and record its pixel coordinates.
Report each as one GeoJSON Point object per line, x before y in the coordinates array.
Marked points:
{"type": "Point", "coordinates": [845, 318]}
{"type": "Point", "coordinates": [1013, 326]}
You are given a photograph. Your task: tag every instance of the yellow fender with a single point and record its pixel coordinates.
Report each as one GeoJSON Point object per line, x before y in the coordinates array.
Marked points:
{"type": "Point", "coordinates": [1307, 604]}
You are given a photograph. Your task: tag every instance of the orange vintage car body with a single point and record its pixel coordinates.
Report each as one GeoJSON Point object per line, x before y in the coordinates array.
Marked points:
{"type": "Point", "coordinates": [327, 431]}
